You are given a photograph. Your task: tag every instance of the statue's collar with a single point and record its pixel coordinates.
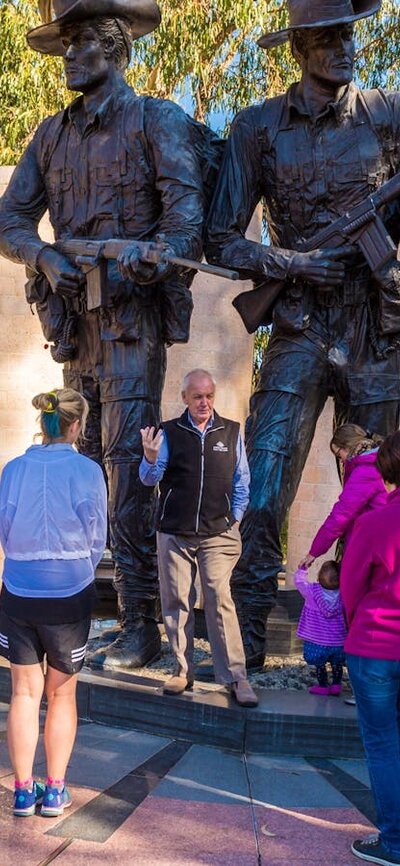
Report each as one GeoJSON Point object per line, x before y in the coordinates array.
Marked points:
{"type": "Point", "coordinates": [76, 112]}
{"type": "Point", "coordinates": [340, 106]}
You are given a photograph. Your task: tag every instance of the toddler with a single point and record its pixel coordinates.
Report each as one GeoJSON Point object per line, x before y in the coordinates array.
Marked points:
{"type": "Point", "coordinates": [322, 626]}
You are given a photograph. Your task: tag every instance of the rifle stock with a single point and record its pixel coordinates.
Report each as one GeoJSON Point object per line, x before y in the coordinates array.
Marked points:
{"type": "Point", "coordinates": [253, 304]}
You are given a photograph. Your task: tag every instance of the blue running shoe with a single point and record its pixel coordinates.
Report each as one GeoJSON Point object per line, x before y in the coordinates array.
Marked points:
{"type": "Point", "coordinates": [25, 801]}
{"type": "Point", "coordinates": [55, 801]}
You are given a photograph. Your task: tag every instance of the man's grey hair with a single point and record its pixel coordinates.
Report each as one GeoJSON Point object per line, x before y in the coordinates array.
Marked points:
{"type": "Point", "coordinates": [197, 372]}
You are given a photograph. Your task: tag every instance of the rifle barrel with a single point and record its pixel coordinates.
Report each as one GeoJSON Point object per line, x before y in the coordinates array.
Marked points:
{"type": "Point", "coordinates": [110, 249]}
{"type": "Point", "coordinates": [203, 267]}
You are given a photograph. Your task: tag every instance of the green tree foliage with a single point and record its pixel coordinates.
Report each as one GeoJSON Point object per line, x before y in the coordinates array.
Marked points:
{"type": "Point", "coordinates": [203, 55]}
{"type": "Point", "coordinates": [205, 51]}
{"type": "Point", "coordinates": [31, 85]}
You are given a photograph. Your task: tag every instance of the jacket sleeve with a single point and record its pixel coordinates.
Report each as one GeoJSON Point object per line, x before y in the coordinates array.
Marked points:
{"type": "Point", "coordinates": [302, 583]}
{"type": "Point", "coordinates": [92, 512]}
{"type": "Point", "coordinates": [351, 503]}
{"type": "Point", "coordinates": [7, 506]}
{"type": "Point", "coordinates": [357, 566]}
{"type": "Point", "coordinates": [239, 189]}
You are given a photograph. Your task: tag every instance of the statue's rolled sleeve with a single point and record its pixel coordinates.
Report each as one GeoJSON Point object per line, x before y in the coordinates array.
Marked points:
{"type": "Point", "coordinates": [21, 209]}
{"type": "Point", "coordinates": [239, 190]}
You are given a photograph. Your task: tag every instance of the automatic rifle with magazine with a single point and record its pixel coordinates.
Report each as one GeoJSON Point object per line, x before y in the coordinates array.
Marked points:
{"type": "Point", "coordinates": [362, 226]}
{"type": "Point", "coordinates": [59, 324]}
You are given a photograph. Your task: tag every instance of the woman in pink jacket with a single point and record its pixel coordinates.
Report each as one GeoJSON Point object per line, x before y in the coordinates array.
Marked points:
{"type": "Point", "coordinates": [363, 488]}
{"type": "Point", "coordinates": [370, 588]}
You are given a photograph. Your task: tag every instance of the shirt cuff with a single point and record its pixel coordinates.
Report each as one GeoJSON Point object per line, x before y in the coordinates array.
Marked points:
{"type": "Point", "coordinates": [237, 514]}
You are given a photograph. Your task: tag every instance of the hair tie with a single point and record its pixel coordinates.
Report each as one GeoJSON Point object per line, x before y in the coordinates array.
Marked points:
{"type": "Point", "coordinates": [53, 403]}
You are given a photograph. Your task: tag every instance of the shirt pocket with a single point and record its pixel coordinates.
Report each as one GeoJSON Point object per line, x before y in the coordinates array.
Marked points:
{"type": "Point", "coordinates": [61, 196]}
{"type": "Point", "coordinates": [107, 179]}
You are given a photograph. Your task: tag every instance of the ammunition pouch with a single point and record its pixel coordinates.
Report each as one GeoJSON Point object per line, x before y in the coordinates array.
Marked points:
{"type": "Point", "coordinates": [50, 307]}
{"type": "Point", "coordinates": [388, 284]}
{"type": "Point", "coordinates": [292, 311]}
{"type": "Point", "coordinates": [176, 309]}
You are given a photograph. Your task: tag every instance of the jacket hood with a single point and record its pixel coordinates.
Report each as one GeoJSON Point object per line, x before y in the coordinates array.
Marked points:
{"type": "Point", "coordinates": [368, 457]}
{"type": "Point", "coordinates": [328, 601]}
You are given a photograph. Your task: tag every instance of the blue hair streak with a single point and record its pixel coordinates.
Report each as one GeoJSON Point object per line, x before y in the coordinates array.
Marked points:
{"type": "Point", "coordinates": [51, 424]}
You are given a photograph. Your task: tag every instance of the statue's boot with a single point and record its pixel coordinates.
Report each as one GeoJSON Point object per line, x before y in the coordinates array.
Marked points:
{"type": "Point", "coordinates": [138, 641]}
{"type": "Point", "coordinates": [253, 626]}
{"type": "Point", "coordinates": [101, 640]}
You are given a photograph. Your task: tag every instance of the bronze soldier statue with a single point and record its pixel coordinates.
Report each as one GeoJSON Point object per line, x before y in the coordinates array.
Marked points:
{"type": "Point", "coordinates": [111, 165]}
{"type": "Point", "coordinates": [312, 154]}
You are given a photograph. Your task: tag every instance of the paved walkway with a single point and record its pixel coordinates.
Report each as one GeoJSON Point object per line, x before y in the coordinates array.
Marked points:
{"type": "Point", "coordinates": [143, 800]}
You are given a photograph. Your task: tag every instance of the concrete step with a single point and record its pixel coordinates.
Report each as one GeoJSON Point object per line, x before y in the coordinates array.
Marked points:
{"type": "Point", "coordinates": [286, 722]}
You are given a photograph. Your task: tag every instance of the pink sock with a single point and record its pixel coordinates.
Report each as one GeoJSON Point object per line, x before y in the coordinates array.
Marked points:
{"type": "Point", "coordinates": [27, 784]}
{"type": "Point", "coordinates": [55, 783]}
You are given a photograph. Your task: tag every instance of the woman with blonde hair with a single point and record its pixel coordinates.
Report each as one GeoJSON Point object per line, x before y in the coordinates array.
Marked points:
{"type": "Point", "coordinates": [363, 488]}
{"type": "Point", "coordinates": [53, 521]}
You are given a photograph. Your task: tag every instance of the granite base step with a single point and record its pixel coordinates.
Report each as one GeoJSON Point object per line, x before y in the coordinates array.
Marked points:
{"type": "Point", "coordinates": [286, 722]}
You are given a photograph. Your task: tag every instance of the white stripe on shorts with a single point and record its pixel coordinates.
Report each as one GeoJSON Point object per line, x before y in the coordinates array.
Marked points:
{"type": "Point", "coordinates": [4, 640]}
{"type": "Point", "coordinates": [79, 653]}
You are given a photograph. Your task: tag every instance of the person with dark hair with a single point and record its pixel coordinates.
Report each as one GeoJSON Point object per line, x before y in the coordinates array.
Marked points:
{"type": "Point", "coordinates": [322, 626]}
{"type": "Point", "coordinates": [113, 164]}
{"type": "Point", "coordinates": [53, 526]}
{"type": "Point", "coordinates": [309, 154]}
{"type": "Point", "coordinates": [370, 587]}
{"type": "Point", "coordinates": [363, 489]}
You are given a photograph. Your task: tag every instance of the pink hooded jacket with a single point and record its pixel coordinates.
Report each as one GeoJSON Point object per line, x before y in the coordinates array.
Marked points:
{"type": "Point", "coordinates": [363, 490]}
{"type": "Point", "coordinates": [370, 583]}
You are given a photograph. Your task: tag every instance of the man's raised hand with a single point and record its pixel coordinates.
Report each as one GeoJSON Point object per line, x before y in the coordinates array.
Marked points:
{"type": "Point", "coordinates": [151, 443]}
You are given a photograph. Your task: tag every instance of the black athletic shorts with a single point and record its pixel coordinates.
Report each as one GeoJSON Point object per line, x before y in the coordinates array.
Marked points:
{"type": "Point", "coordinates": [26, 643]}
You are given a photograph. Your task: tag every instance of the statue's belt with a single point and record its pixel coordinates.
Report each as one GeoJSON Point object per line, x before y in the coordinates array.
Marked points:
{"type": "Point", "coordinates": [348, 295]}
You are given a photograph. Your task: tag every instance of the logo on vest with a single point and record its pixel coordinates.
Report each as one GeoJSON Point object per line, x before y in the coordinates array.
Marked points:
{"type": "Point", "coordinates": [220, 447]}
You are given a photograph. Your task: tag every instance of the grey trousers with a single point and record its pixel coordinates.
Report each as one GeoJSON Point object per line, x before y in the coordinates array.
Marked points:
{"type": "Point", "coordinates": [215, 556]}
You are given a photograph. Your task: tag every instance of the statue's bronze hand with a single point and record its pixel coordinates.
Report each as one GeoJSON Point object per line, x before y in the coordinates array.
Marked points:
{"type": "Point", "coordinates": [323, 268]}
{"type": "Point", "coordinates": [64, 277]}
{"type": "Point", "coordinates": [132, 267]}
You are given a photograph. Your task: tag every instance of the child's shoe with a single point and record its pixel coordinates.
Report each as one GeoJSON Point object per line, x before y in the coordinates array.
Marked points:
{"type": "Point", "coordinates": [25, 801]}
{"type": "Point", "coordinates": [319, 690]}
{"type": "Point", "coordinates": [335, 689]}
{"type": "Point", "coordinates": [55, 801]}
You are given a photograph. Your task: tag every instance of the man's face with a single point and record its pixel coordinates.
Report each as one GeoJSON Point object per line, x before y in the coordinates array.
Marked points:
{"type": "Point", "coordinates": [330, 54]}
{"type": "Point", "coordinates": [85, 63]}
{"type": "Point", "coordinates": [199, 397]}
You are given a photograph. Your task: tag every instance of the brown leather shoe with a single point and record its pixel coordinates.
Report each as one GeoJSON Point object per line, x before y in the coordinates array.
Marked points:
{"type": "Point", "coordinates": [243, 693]}
{"type": "Point", "coordinates": [177, 685]}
